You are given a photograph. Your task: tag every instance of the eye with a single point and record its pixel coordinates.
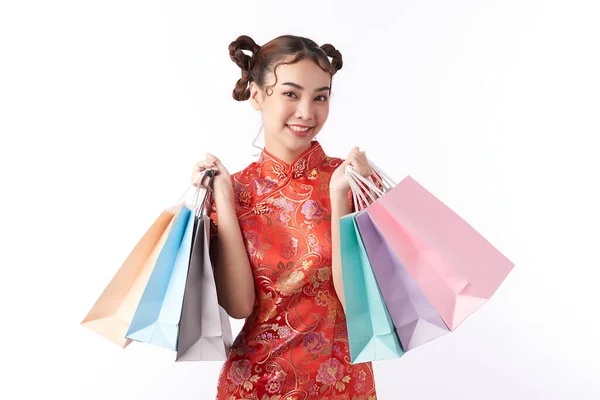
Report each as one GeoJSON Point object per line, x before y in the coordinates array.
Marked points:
{"type": "Point", "coordinates": [292, 93]}
{"type": "Point", "coordinates": [324, 98]}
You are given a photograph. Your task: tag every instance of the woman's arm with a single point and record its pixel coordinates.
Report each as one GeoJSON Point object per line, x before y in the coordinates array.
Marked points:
{"type": "Point", "coordinates": [339, 187]}
{"type": "Point", "coordinates": [339, 208]}
{"type": "Point", "coordinates": [233, 275]}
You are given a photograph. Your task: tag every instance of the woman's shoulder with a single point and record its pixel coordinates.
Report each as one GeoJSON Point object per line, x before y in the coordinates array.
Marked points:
{"type": "Point", "coordinates": [333, 161]}
{"type": "Point", "coordinates": [329, 164]}
{"type": "Point", "coordinates": [244, 187]}
{"type": "Point", "coordinates": [251, 171]}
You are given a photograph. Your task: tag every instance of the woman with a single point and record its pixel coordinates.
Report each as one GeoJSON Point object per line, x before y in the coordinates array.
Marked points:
{"type": "Point", "coordinates": [276, 253]}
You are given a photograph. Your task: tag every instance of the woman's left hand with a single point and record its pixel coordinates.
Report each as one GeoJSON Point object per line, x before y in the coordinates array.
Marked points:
{"type": "Point", "coordinates": [339, 184]}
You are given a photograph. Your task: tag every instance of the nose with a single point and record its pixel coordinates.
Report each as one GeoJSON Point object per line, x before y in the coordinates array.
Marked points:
{"type": "Point", "coordinates": [305, 109]}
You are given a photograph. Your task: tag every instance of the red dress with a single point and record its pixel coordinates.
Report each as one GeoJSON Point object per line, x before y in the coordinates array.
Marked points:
{"type": "Point", "coordinates": [294, 345]}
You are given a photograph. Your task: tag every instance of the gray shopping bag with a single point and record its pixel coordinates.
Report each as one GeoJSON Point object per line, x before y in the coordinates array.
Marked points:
{"type": "Point", "coordinates": [204, 330]}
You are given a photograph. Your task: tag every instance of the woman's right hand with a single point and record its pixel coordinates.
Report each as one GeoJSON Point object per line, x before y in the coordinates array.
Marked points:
{"type": "Point", "coordinates": [221, 180]}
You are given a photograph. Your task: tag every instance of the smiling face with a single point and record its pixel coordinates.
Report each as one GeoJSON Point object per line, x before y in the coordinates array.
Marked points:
{"type": "Point", "coordinates": [296, 110]}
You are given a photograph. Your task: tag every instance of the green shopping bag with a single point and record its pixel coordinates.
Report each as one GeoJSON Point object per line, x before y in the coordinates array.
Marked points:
{"type": "Point", "coordinates": [371, 332]}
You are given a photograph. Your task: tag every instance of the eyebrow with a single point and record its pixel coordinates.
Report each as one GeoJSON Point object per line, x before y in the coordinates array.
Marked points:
{"type": "Point", "coordinates": [295, 85]}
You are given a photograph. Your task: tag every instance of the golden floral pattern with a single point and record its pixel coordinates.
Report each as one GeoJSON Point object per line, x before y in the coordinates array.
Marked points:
{"type": "Point", "coordinates": [294, 345]}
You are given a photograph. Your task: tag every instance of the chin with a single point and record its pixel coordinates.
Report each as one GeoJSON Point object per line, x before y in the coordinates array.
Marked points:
{"type": "Point", "coordinates": [299, 138]}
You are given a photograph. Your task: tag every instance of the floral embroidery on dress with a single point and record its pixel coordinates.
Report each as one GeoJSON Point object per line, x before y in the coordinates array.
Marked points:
{"type": "Point", "coordinates": [315, 342]}
{"type": "Point", "coordinates": [263, 186]}
{"type": "Point", "coordinates": [299, 168]}
{"type": "Point", "coordinates": [313, 210]}
{"type": "Point", "coordinates": [267, 306]}
{"type": "Point", "coordinates": [313, 174]}
{"type": "Point", "coordinates": [331, 373]}
{"type": "Point", "coordinates": [290, 249]}
{"type": "Point", "coordinates": [240, 374]}
{"type": "Point", "coordinates": [290, 282]}
{"type": "Point", "coordinates": [322, 298]}
{"type": "Point", "coordinates": [294, 345]}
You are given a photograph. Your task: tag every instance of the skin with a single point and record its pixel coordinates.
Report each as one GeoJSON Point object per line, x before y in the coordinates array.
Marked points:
{"type": "Point", "coordinates": [299, 99]}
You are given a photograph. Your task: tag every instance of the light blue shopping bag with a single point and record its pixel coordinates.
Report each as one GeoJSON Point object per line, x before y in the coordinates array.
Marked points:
{"type": "Point", "coordinates": [371, 333]}
{"type": "Point", "coordinates": [156, 319]}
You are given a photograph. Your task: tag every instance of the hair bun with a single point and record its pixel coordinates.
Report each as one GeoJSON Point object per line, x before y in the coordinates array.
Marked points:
{"type": "Point", "coordinates": [241, 91]}
{"type": "Point", "coordinates": [336, 57]}
{"type": "Point", "coordinates": [236, 54]}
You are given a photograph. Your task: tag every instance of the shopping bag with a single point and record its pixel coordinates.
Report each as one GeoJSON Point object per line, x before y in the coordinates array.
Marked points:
{"type": "Point", "coordinates": [456, 268]}
{"type": "Point", "coordinates": [371, 333]}
{"type": "Point", "coordinates": [156, 319]}
{"type": "Point", "coordinates": [415, 319]}
{"type": "Point", "coordinates": [205, 330]}
{"type": "Point", "coordinates": [113, 311]}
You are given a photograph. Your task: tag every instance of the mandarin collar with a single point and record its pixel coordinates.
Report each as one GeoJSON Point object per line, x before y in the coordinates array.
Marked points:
{"type": "Point", "coordinates": [273, 168]}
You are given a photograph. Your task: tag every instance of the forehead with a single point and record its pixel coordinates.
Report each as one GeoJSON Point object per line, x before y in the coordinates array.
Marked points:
{"type": "Point", "coordinates": [305, 73]}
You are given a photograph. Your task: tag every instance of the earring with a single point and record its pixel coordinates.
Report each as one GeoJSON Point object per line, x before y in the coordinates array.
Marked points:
{"type": "Point", "coordinates": [254, 141]}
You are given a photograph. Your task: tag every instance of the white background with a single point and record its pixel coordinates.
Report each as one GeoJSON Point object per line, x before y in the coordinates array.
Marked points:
{"type": "Point", "coordinates": [491, 105]}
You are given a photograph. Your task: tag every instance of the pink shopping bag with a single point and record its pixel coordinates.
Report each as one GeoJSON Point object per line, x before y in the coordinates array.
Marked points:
{"type": "Point", "coordinates": [457, 269]}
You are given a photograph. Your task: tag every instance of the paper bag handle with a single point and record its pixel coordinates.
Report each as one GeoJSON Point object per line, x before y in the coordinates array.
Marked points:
{"type": "Point", "coordinates": [199, 211]}
{"type": "Point", "coordinates": [358, 182]}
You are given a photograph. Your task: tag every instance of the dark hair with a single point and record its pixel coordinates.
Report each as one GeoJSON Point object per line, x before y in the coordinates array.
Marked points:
{"type": "Point", "coordinates": [255, 67]}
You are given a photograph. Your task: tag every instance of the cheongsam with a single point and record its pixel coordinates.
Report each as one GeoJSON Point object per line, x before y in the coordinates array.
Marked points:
{"type": "Point", "coordinates": [294, 345]}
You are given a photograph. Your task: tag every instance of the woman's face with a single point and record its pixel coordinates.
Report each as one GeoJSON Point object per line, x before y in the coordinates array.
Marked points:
{"type": "Point", "coordinates": [297, 108]}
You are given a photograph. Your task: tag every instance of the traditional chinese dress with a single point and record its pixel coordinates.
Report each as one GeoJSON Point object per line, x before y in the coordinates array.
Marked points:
{"type": "Point", "coordinates": [294, 345]}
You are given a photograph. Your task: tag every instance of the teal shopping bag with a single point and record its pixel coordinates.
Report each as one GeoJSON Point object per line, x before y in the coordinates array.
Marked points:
{"type": "Point", "coordinates": [156, 319]}
{"type": "Point", "coordinates": [371, 333]}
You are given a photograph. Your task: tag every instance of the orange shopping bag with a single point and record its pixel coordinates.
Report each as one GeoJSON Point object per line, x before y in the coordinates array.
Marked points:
{"type": "Point", "coordinates": [112, 313]}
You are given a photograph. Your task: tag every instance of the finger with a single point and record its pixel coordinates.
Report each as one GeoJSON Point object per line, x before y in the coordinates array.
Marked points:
{"type": "Point", "coordinates": [353, 162]}
{"type": "Point", "coordinates": [197, 174]}
{"type": "Point", "coordinates": [354, 157]}
{"type": "Point", "coordinates": [199, 180]}
{"type": "Point", "coordinates": [216, 161]}
{"type": "Point", "coordinates": [211, 157]}
{"type": "Point", "coordinates": [358, 155]}
{"type": "Point", "coordinates": [204, 164]}
{"type": "Point", "coordinates": [360, 165]}
{"type": "Point", "coordinates": [200, 168]}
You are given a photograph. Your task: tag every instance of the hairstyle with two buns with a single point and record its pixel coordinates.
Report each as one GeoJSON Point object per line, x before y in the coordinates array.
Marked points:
{"type": "Point", "coordinates": [267, 58]}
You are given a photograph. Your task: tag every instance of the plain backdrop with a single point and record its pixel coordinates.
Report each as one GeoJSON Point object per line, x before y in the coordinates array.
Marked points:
{"type": "Point", "coordinates": [492, 105]}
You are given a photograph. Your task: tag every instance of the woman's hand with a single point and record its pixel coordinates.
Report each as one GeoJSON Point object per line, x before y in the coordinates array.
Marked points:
{"type": "Point", "coordinates": [339, 184]}
{"type": "Point", "coordinates": [222, 179]}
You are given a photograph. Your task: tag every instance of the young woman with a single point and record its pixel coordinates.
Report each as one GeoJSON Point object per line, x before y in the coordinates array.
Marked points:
{"type": "Point", "coordinates": [276, 253]}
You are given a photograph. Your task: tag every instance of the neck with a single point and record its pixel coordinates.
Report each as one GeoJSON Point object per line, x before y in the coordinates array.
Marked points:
{"type": "Point", "coordinates": [284, 153]}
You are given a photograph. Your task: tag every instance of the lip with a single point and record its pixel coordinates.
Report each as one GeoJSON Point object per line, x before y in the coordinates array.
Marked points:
{"type": "Point", "coordinates": [300, 134]}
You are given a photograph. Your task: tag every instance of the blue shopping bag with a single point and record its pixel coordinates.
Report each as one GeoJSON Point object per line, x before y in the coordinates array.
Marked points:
{"type": "Point", "coordinates": [371, 333]}
{"type": "Point", "coordinates": [156, 319]}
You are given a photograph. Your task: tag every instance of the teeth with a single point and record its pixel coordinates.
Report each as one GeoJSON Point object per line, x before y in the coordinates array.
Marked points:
{"type": "Point", "coordinates": [298, 129]}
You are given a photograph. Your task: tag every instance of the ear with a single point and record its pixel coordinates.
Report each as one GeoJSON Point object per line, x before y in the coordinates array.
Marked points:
{"type": "Point", "coordinates": [255, 96]}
